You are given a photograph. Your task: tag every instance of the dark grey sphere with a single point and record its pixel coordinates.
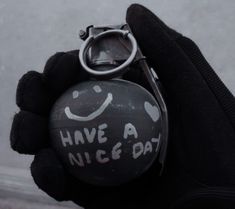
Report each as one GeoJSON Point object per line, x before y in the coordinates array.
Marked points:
{"type": "Point", "coordinates": [106, 132]}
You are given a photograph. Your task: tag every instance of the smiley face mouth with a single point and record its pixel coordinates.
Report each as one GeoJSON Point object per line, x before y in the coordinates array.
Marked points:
{"type": "Point", "coordinates": [91, 116]}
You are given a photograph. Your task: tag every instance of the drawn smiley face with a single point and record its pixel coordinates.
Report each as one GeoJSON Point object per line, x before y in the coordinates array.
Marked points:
{"type": "Point", "coordinates": [94, 114]}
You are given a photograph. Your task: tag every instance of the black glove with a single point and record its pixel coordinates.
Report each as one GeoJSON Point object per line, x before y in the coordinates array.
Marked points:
{"type": "Point", "coordinates": [200, 167]}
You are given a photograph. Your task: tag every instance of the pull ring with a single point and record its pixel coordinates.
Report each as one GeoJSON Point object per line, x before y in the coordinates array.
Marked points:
{"type": "Point", "coordinates": [91, 40]}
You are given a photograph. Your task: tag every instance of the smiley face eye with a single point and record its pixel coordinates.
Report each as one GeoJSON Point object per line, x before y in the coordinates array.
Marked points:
{"type": "Point", "coordinates": [97, 89]}
{"type": "Point", "coordinates": [75, 94]}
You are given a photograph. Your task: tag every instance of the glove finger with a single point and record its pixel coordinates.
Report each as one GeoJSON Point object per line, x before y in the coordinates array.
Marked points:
{"type": "Point", "coordinates": [49, 175]}
{"type": "Point", "coordinates": [171, 64]}
{"type": "Point", "coordinates": [62, 71]}
{"type": "Point", "coordinates": [28, 133]}
{"type": "Point", "coordinates": [182, 81]}
{"type": "Point", "coordinates": [221, 92]}
{"type": "Point", "coordinates": [32, 94]}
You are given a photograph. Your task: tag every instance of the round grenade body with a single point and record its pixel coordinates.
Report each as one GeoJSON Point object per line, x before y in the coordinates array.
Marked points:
{"type": "Point", "coordinates": [106, 132]}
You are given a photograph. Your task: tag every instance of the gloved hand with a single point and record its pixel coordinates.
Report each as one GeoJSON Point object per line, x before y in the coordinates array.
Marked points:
{"type": "Point", "coordinates": [201, 156]}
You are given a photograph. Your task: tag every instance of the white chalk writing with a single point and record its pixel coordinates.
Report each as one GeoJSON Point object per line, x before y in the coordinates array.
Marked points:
{"type": "Point", "coordinates": [130, 130]}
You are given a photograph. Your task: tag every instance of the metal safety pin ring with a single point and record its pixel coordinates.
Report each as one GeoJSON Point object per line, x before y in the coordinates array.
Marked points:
{"type": "Point", "coordinates": [90, 40]}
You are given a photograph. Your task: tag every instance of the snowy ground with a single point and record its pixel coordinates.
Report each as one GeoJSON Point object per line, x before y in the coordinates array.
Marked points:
{"type": "Point", "coordinates": [31, 31]}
